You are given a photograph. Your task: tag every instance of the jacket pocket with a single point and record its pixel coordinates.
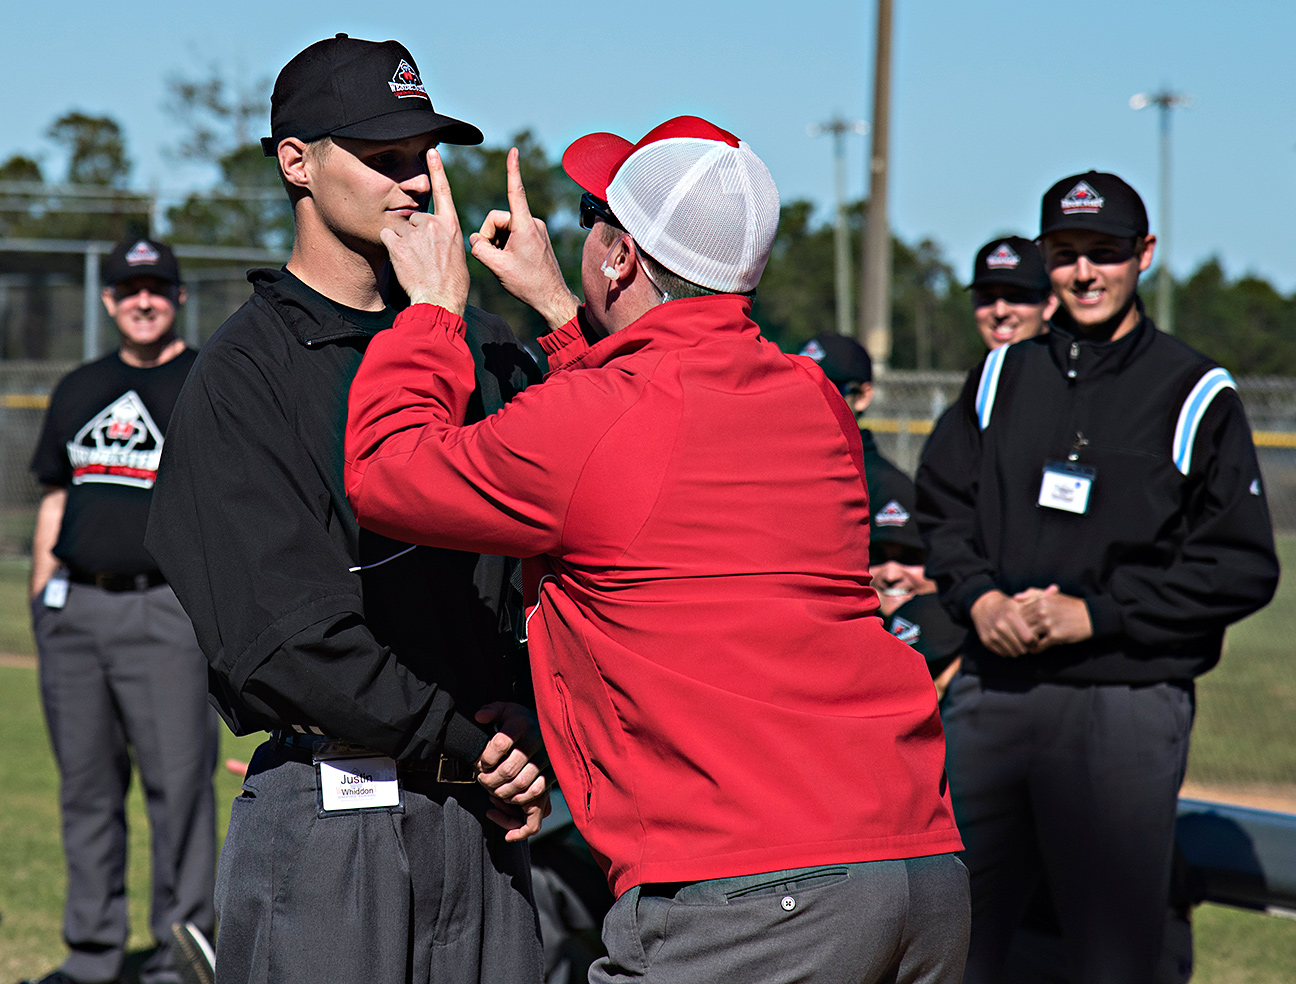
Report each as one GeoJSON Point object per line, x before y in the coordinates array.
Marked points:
{"type": "Point", "coordinates": [575, 747]}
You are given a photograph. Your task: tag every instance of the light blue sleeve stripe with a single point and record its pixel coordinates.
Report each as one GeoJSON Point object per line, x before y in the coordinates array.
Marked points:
{"type": "Point", "coordinates": [1211, 385]}
{"type": "Point", "coordinates": [989, 385]}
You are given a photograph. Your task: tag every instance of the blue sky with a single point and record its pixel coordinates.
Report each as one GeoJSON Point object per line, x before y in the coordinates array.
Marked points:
{"type": "Point", "coordinates": [992, 102]}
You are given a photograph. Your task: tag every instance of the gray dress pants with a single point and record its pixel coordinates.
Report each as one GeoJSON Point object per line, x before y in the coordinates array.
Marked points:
{"type": "Point", "coordinates": [876, 922]}
{"type": "Point", "coordinates": [122, 672]}
{"type": "Point", "coordinates": [429, 893]}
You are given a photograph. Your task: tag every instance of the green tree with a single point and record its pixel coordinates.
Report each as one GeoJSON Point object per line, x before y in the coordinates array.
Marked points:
{"type": "Point", "coordinates": [96, 149]}
{"type": "Point", "coordinates": [96, 162]}
{"type": "Point", "coordinates": [1246, 325]}
{"type": "Point", "coordinates": [247, 205]}
{"type": "Point", "coordinates": [931, 317]}
{"type": "Point", "coordinates": [477, 180]}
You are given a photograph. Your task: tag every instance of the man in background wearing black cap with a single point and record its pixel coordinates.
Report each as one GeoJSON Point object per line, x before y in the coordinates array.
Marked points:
{"type": "Point", "coordinates": [1011, 296]}
{"type": "Point", "coordinates": [1098, 519]}
{"type": "Point", "coordinates": [120, 671]}
{"type": "Point", "coordinates": [361, 849]}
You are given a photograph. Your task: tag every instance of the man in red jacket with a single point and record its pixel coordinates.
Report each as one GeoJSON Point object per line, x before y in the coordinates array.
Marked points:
{"type": "Point", "coordinates": [754, 760]}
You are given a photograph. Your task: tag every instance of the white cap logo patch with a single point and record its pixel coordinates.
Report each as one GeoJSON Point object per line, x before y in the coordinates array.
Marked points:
{"type": "Point", "coordinates": [1003, 258]}
{"type": "Point", "coordinates": [1082, 198]}
{"type": "Point", "coordinates": [142, 254]}
{"type": "Point", "coordinates": [813, 350]}
{"type": "Point", "coordinates": [892, 514]}
{"type": "Point", "coordinates": [406, 82]}
{"type": "Point", "coordinates": [906, 631]}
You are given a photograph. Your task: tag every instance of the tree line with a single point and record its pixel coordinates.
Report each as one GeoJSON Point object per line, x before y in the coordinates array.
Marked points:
{"type": "Point", "coordinates": [1245, 322]}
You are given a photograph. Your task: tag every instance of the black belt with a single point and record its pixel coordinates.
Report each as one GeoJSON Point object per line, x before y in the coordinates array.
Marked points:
{"type": "Point", "coordinates": [446, 770]}
{"type": "Point", "coordinates": [112, 581]}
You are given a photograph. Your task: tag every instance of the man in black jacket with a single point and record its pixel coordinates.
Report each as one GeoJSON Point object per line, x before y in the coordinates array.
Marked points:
{"type": "Point", "coordinates": [1096, 515]}
{"type": "Point", "coordinates": [361, 849]}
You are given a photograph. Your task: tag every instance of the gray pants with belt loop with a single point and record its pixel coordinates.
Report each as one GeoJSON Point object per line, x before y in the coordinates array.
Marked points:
{"type": "Point", "coordinates": [889, 922]}
{"type": "Point", "coordinates": [121, 671]}
{"type": "Point", "coordinates": [429, 892]}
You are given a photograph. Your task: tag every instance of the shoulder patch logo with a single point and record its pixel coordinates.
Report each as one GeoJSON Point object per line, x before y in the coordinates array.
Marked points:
{"type": "Point", "coordinates": [1082, 198]}
{"type": "Point", "coordinates": [1003, 258]}
{"type": "Point", "coordinates": [906, 631]}
{"type": "Point", "coordinates": [142, 254]}
{"type": "Point", "coordinates": [892, 514]}
{"type": "Point", "coordinates": [813, 350]}
{"type": "Point", "coordinates": [120, 446]}
{"type": "Point", "coordinates": [405, 82]}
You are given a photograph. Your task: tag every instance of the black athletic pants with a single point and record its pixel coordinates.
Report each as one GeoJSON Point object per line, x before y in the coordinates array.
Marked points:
{"type": "Point", "coordinates": [1079, 783]}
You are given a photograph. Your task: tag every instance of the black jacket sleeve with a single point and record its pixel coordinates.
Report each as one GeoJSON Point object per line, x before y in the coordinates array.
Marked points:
{"type": "Point", "coordinates": [947, 488]}
{"type": "Point", "coordinates": [245, 527]}
{"type": "Point", "coordinates": [1225, 567]}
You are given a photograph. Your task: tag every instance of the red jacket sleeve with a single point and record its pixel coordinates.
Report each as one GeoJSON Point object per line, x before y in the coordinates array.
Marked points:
{"type": "Point", "coordinates": [499, 486]}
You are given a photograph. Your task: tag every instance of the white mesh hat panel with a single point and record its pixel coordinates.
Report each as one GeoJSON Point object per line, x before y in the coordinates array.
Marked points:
{"type": "Point", "coordinates": [702, 208]}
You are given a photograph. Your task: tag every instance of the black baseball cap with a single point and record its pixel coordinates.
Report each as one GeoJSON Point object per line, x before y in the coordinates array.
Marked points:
{"type": "Point", "coordinates": [1094, 200]}
{"type": "Point", "coordinates": [892, 503]}
{"type": "Point", "coordinates": [1012, 260]}
{"type": "Point", "coordinates": [347, 87]}
{"type": "Point", "coordinates": [140, 258]}
{"type": "Point", "coordinates": [842, 359]}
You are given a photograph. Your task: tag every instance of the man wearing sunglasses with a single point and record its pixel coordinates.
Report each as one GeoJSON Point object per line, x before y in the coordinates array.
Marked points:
{"type": "Point", "coordinates": [1011, 296]}
{"type": "Point", "coordinates": [122, 678]}
{"type": "Point", "coordinates": [756, 762]}
{"type": "Point", "coordinates": [1096, 515]}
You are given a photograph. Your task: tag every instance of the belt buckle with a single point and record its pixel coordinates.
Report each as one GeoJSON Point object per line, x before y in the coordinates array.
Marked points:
{"type": "Point", "coordinates": [451, 770]}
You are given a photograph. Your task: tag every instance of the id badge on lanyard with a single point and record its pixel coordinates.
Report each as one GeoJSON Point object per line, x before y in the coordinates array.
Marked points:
{"type": "Point", "coordinates": [352, 777]}
{"type": "Point", "coordinates": [1066, 486]}
{"type": "Point", "coordinates": [56, 589]}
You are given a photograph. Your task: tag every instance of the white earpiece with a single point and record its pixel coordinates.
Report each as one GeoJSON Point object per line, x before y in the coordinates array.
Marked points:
{"type": "Point", "coordinates": [608, 272]}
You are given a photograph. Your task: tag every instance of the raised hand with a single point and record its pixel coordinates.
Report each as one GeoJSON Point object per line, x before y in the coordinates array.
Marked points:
{"type": "Point", "coordinates": [515, 246]}
{"type": "Point", "coordinates": [427, 253]}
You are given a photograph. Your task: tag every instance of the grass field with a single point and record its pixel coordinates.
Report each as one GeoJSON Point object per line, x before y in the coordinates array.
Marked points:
{"type": "Point", "coordinates": [1245, 733]}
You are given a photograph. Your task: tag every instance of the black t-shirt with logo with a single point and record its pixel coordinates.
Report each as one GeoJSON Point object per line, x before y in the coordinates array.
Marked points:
{"type": "Point", "coordinates": [101, 441]}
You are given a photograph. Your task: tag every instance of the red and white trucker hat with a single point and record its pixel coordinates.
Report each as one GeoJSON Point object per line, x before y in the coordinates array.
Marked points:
{"type": "Point", "coordinates": [692, 195]}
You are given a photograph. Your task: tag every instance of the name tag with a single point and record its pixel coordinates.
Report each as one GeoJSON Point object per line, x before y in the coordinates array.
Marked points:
{"type": "Point", "coordinates": [1066, 486]}
{"type": "Point", "coordinates": [363, 783]}
{"type": "Point", "coordinates": [56, 590]}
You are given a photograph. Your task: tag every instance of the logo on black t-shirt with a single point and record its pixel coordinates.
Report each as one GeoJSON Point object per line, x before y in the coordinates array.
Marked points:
{"type": "Point", "coordinates": [120, 446]}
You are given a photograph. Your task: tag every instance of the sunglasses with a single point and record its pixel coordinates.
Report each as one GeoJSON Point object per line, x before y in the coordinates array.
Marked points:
{"type": "Point", "coordinates": [593, 209]}
{"type": "Point", "coordinates": [1011, 295]}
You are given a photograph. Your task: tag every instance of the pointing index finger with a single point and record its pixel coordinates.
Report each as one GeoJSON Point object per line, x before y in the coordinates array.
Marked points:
{"type": "Point", "coordinates": [442, 200]}
{"type": "Point", "coordinates": [520, 211]}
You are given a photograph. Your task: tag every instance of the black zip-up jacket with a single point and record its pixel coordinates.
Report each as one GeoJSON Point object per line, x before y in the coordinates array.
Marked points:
{"type": "Point", "coordinates": [1176, 543]}
{"type": "Point", "coordinates": [251, 526]}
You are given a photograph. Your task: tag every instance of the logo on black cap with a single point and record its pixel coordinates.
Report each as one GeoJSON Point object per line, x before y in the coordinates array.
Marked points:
{"type": "Point", "coordinates": [142, 254]}
{"type": "Point", "coordinates": [1081, 198]}
{"type": "Point", "coordinates": [892, 514]}
{"type": "Point", "coordinates": [1003, 258]}
{"type": "Point", "coordinates": [406, 82]}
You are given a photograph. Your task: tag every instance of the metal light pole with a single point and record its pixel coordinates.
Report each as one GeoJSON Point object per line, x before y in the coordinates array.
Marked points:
{"type": "Point", "coordinates": [875, 267]}
{"type": "Point", "coordinates": [839, 127]}
{"type": "Point", "coordinates": [1165, 101]}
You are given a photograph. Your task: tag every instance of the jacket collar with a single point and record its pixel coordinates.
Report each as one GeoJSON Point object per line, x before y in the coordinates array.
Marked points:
{"type": "Point", "coordinates": [1097, 358]}
{"type": "Point", "coordinates": [311, 325]}
{"type": "Point", "coordinates": [676, 324]}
